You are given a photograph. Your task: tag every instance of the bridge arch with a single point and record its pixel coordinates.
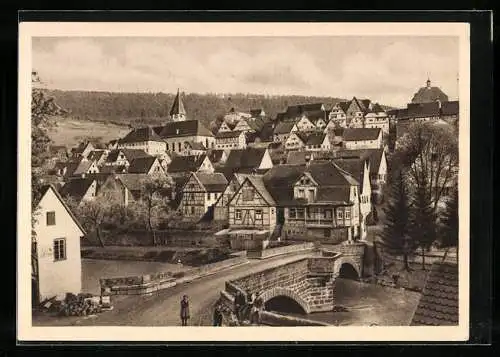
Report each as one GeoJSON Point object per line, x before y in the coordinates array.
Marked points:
{"type": "Point", "coordinates": [346, 267]}
{"type": "Point", "coordinates": [280, 291]}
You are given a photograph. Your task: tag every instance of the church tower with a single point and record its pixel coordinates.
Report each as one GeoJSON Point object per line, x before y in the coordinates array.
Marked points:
{"type": "Point", "coordinates": [177, 112]}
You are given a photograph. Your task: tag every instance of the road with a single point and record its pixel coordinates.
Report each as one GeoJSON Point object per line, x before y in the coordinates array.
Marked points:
{"type": "Point", "coordinates": [162, 308]}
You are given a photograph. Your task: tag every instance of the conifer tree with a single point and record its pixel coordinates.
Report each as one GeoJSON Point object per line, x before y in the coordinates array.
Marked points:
{"type": "Point", "coordinates": [395, 238]}
{"type": "Point", "coordinates": [449, 220]}
{"type": "Point", "coordinates": [423, 221]}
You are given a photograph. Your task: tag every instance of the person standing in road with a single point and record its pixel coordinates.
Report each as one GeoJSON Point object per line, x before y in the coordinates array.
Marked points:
{"type": "Point", "coordinates": [218, 315]}
{"type": "Point", "coordinates": [185, 310]}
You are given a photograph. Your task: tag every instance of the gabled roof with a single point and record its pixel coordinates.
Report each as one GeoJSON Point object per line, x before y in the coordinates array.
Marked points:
{"type": "Point", "coordinates": [279, 181]}
{"type": "Point", "coordinates": [419, 110]}
{"type": "Point", "coordinates": [133, 182]}
{"type": "Point", "coordinates": [79, 167]}
{"type": "Point", "coordinates": [257, 182]}
{"type": "Point", "coordinates": [189, 163]}
{"type": "Point", "coordinates": [177, 105]}
{"type": "Point", "coordinates": [438, 305]}
{"type": "Point", "coordinates": [245, 158]}
{"type": "Point", "coordinates": [81, 147]}
{"type": "Point", "coordinates": [228, 134]}
{"type": "Point", "coordinates": [96, 155]}
{"type": "Point", "coordinates": [373, 155]}
{"type": "Point", "coordinates": [256, 112]}
{"type": "Point", "coordinates": [344, 105]}
{"type": "Point", "coordinates": [360, 134]}
{"type": "Point", "coordinates": [281, 117]}
{"type": "Point", "coordinates": [130, 154]}
{"type": "Point", "coordinates": [295, 110]}
{"type": "Point", "coordinates": [450, 108]}
{"type": "Point", "coordinates": [339, 195]}
{"type": "Point", "coordinates": [354, 166]}
{"type": "Point", "coordinates": [315, 139]}
{"type": "Point", "coordinates": [266, 132]}
{"type": "Point", "coordinates": [326, 173]}
{"type": "Point", "coordinates": [365, 103]}
{"type": "Point", "coordinates": [213, 182]}
{"type": "Point", "coordinates": [215, 155]}
{"type": "Point", "coordinates": [314, 115]}
{"type": "Point", "coordinates": [194, 145]}
{"type": "Point", "coordinates": [141, 165]}
{"type": "Point", "coordinates": [140, 135]}
{"type": "Point", "coordinates": [113, 169]}
{"type": "Point", "coordinates": [298, 157]}
{"type": "Point", "coordinates": [284, 127]}
{"type": "Point", "coordinates": [429, 94]}
{"type": "Point", "coordinates": [44, 191]}
{"type": "Point", "coordinates": [377, 108]}
{"type": "Point", "coordinates": [76, 188]}
{"type": "Point", "coordinates": [182, 128]}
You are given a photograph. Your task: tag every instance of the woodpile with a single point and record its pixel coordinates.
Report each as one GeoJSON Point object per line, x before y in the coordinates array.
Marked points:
{"type": "Point", "coordinates": [74, 305]}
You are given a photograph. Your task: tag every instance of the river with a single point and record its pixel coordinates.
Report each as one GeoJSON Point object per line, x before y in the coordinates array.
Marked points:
{"type": "Point", "coordinates": [368, 304]}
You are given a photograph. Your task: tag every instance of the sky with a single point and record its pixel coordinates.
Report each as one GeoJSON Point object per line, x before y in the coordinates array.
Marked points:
{"type": "Point", "coordinates": [388, 70]}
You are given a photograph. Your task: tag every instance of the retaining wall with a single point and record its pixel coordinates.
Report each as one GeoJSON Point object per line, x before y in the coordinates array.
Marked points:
{"type": "Point", "coordinates": [271, 252]}
{"type": "Point", "coordinates": [146, 284]}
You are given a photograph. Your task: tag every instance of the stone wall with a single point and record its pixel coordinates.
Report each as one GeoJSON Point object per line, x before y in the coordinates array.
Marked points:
{"type": "Point", "coordinates": [146, 284]}
{"type": "Point", "coordinates": [271, 252]}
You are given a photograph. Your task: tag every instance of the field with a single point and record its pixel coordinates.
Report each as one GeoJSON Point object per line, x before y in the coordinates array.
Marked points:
{"type": "Point", "coordinates": [69, 131]}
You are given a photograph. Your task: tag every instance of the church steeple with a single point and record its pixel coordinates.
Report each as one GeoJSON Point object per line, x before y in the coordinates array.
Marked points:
{"type": "Point", "coordinates": [178, 112]}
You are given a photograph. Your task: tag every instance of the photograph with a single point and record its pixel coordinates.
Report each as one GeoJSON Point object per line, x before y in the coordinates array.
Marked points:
{"type": "Point", "coordinates": [196, 178]}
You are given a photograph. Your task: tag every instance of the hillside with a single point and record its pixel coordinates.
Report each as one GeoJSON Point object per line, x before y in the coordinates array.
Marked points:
{"type": "Point", "coordinates": [152, 108]}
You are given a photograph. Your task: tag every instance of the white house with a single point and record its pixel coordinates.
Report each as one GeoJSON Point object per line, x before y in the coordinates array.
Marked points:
{"type": "Point", "coordinates": [295, 141]}
{"type": "Point", "coordinates": [362, 138]}
{"type": "Point", "coordinates": [230, 140]}
{"type": "Point", "coordinates": [377, 118]}
{"type": "Point", "coordinates": [143, 139]}
{"type": "Point", "coordinates": [338, 116]}
{"type": "Point", "coordinates": [57, 267]}
{"type": "Point", "coordinates": [304, 124]}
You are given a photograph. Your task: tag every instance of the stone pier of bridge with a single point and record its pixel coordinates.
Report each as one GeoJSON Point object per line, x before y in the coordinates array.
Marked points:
{"type": "Point", "coordinates": [309, 281]}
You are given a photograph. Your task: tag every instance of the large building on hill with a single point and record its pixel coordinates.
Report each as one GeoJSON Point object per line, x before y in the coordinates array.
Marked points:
{"type": "Point", "coordinates": [176, 134]}
{"type": "Point", "coordinates": [429, 94]}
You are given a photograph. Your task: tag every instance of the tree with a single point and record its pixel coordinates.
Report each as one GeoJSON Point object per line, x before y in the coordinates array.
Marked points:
{"type": "Point", "coordinates": [154, 201]}
{"type": "Point", "coordinates": [423, 221]}
{"type": "Point", "coordinates": [395, 238]}
{"type": "Point", "coordinates": [449, 221]}
{"type": "Point", "coordinates": [430, 153]}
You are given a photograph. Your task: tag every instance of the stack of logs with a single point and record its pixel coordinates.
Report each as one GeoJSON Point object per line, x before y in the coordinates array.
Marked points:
{"type": "Point", "coordinates": [74, 305]}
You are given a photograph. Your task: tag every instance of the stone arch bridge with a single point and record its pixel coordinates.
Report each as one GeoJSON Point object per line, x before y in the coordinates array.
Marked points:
{"type": "Point", "coordinates": [310, 282]}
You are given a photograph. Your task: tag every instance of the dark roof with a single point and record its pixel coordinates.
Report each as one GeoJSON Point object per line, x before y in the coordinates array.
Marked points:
{"type": "Point", "coordinates": [213, 182]}
{"type": "Point", "coordinates": [80, 147]}
{"type": "Point", "coordinates": [360, 134]}
{"type": "Point", "coordinates": [295, 110]}
{"type": "Point", "coordinates": [373, 155]}
{"type": "Point", "coordinates": [298, 157]}
{"type": "Point", "coordinates": [284, 127]}
{"type": "Point", "coordinates": [353, 166]}
{"type": "Point", "coordinates": [315, 139]}
{"type": "Point", "coordinates": [130, 154]}
{"type": "Point", "coordinates": [215, 155]}
{"type": "Point", "coordinates": [334, 194]}
{"type": "Point", "coordinates": [429, 94]}
{"type": "Point", "coordinates": [245, 158]}
{"type": "Point", "coordinates": [326, 173]}
{"type": "Point", "coordinates": [182, 128]}
{"type": "Point", "coordinates": [344, 105]}
{"type": "Point", "coordinates": [113, 169]}
{"type": "Point", "coordinates": [281, 117]}
{"type": "Point", "coordinates": [46, 188]}
{"type": "Point", "coordinates": [280, 179]}
{"type": "Point", "coordinates": [189, 163]}
{"type": "Point", "coordinates": [256, 112]}
{"type": "Point", "coordinates": [419, 110]}
{"type": "Point", "coordinates": [58, 148]}
{"type": "Point", "coordinates": [76, 188]}
{"type": "Point", "coordinates": [141, 165]}
{"type": "Point", "coordinates": [377, 108]}
{"type": "Point", "coordinates": [450, 108]}
{"type": "Point", "coordinates": [78, 167]}
{"type": "Point", "coordinates": [141, 134]}
{"type": "Point", "coordinates": [258, 182]}
{"type": "Point", "coordinates": [133, 182]}
{"type": "Point", "coordinates": [96, 155]}
{"type": "Point", "coordinates": [255, 123]}
{"type": "Point", "coordinates": [177, 105]}
{"type": "Point", "coordinates": [228, 134]}
{"type": "Point", "coordinates": [266, 132]}
{"type": "Point", "coordinates": [196, 145]}
{"type": "Point", "coordinates": [438, 305]}
{"type": "Point", "coordinates": [314, 115]}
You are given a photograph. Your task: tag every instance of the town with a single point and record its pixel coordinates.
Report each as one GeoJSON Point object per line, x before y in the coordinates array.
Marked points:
{"type": "Point", "coordinates": [288, 209]}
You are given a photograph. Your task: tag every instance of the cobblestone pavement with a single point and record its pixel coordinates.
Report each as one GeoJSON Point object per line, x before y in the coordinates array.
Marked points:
{"type": "Point", "coordinates": [162, 308]}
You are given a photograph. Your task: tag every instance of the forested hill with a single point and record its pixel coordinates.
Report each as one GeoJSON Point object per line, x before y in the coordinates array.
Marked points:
{"type": "Point", "coordinates": [152, 108]}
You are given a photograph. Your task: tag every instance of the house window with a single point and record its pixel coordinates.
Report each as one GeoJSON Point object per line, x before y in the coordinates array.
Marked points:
{"type": "Point", "coordinates": [292, 213]}
{"type": "Point", "coordinates": [179, 146]}
{"type": "Point", "coordinates": [247, 194]}
{"type": "Point", "coordinates": [340, 214]}
{"type": "Point", "coordinates": [300, 193]}
{"type": "Point", "coordinates": [238, 214]}
{"type": "Point", "coordinates": [51, 218]}
{"type": "Point", "coordinates": [354, 191]}
{"type": "Point", "coordinates": [347, 214]}
{"type": "Point", "coordinates": [300, 213]}
{"type": "Point", "coordinates": [192, 209]}
{"type": "Point", "coordinates": [258, 214]}
{"type": "Point", "coordinates": [209, 196]}
{"type": "Point", "coordinates": [59, 249]}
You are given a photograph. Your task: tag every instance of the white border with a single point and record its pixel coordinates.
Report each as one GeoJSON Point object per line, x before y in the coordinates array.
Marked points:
{"type": "Point", "coordinates": [26, 332]}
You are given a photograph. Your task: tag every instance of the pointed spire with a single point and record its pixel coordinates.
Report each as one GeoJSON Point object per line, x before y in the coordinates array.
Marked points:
{"type": "Point", "coordinates": [178, 112]}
